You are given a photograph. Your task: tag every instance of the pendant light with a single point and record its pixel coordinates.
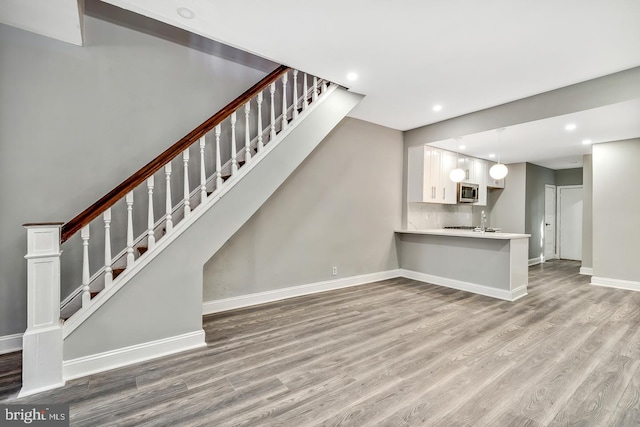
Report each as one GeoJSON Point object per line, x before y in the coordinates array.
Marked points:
{"type": "Point", "coordinates": [499, 170]}
{"type": "Point", "coordinates": [457, 175]}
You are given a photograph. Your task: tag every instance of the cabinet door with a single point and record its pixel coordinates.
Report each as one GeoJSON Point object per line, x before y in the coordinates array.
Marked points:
{"type": "Point", "coordinates": [449, 188]}
{"type": "Point", "coordinates": [435, 192]}
{"type": "Point", "coordinates": [468, 166]}
{"type": "Point", "coordinates": [480, 171]}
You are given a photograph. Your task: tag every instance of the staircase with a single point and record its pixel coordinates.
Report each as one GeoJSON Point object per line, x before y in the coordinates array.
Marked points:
{"type": "Point", "coordinates": [146, 301]}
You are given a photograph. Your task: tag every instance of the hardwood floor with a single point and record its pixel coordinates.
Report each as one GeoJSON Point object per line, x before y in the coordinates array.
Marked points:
{"type": "Point", "coordinates": [391, 353]}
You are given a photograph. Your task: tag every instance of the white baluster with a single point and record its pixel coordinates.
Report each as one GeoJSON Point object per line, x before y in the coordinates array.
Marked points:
{"type": "Point", "coordinates": [187, 203]}
{"type": "Point", "coordinates": [260, 143]}
{"type": "Point", "coordinates": [203, 172]}
{"type": "Point", "coordinates": [129, 201]}
{"type": "Point", "coordinates": [295, 94]}
{"type": "Point", "coordinates": [168, 205]}
{"type": "Point", "coordinates": [108, 271]}
{"type": "Point", "coordinates": [247, 134]}
{"type": "Point", "coordinates": [86, 293]}
{"type": "Point", "coordinates": [218, 160]}
{"type": "Point", "coordinates": [151, 237]}
{"type": "Point", "coordinates": [324, 86]}
{"type": "Point", "coordinates": [314, 96]}
{"type": "Point", "coordinates": [285, 123]}
{"type": "Point", "coordinates": [234, 160]}
{"type": "Point", "coordinates": [272, 90]}
{"type": "Point", "coordinates": [305, 91]}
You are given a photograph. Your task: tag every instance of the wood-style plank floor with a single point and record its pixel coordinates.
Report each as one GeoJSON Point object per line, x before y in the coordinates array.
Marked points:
{"type": "Point", "coordinates": [391, 353]}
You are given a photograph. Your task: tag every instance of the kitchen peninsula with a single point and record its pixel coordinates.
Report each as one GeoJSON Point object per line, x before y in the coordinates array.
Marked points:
{"type": "Point", "coordinates": [491, 264]}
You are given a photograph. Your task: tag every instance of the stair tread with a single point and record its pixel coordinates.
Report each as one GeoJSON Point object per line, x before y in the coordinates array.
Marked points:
{"type": "Point", "coordinates": [117, 271]}
{"type": "Point", "coordinates": [142, 249]}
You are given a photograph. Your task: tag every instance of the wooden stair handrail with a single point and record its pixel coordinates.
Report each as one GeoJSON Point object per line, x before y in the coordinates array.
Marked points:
{"type": "Point", "coordinates": [109, 199]}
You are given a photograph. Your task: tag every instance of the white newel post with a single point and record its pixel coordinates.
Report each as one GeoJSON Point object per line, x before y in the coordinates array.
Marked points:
{"type": "Point", "coordinates": [42, 341]}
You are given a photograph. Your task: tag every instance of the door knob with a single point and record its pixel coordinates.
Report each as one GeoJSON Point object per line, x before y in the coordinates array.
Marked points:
{"type": "Point", "coordinates": [546, 223]}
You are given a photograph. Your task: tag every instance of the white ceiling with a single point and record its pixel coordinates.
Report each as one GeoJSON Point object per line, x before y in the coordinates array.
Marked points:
{"type": "Point", "coordinates": [547, 143]}
{"type": "Point", "coordinates": [465, 55]}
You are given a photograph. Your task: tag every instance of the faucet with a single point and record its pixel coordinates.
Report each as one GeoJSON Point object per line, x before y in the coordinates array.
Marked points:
{"type": "Point", "coordinates": [483, 221]}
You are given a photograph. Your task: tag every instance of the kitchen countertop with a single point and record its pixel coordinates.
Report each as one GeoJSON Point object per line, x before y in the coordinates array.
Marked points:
{"type": "Point", "coordinates": [466, 233]}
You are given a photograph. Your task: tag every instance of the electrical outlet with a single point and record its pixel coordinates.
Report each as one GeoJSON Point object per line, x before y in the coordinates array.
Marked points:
{"type": "Point", "coordinates": [334, 271]}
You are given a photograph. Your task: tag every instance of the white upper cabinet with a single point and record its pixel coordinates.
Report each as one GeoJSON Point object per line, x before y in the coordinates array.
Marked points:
{"type": "Point", "coordinates": [493, 183]}
{"type": "Point", "coordinates": [449, 188]}
{"type": "Point", "coordinates": [480, 176]}
{"type": "Point", "coordinates": [428, 176]}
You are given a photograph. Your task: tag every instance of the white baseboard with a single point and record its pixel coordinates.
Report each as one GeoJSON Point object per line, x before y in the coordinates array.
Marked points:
{"type": "Point", "coordinates": [101, 362]}
{"type": "Point", "coordinates": [587, 271]}
{"type": "Point", "coordinates": [466, 286]}
{"type": "Point", "coordinates": [10, 343]}
{"type": "Point", "coordinates": [241, 301]}
{"type": "Point", "coordinates": [615, 283]}
{"type": "Point", "coordinates": [535, 261]}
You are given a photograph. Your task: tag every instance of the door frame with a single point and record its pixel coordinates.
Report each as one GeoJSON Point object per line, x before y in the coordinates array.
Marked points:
{"type": "Point", "coordinates": [555, 246]}
{"type": "Point", "coordinates": [558, 220]}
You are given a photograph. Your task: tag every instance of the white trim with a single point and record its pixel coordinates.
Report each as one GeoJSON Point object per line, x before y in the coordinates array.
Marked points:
{"type": "Point", "coordinates": [25, 393]}
{"type": "Point", "coordinates": [615, 283]}
{"type": "Point", "coordinates": [10, 343]}
{"type": "Point", "coordinates": [587, 271]}
{"type": "Point", "coordinates": [519, 292]}
{"type": "Point", "coordinates": [536, 260]}
{"type": "Point", "coordinates": [101, 362]}
{"type": "Point", "coordinates": [241, 301]}
{"type": "Point", "coordinates": [502, 294]}
{"type": "Point", "coordinates": [79, 317]}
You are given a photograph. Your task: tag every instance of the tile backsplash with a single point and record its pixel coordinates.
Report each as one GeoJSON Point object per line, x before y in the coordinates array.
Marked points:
{"type": "Point", "coordinates": [421, 216]}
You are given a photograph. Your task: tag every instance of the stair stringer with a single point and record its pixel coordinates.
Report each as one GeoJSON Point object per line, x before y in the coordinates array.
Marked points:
{"type": "Point", "coordinates": [159, 311]}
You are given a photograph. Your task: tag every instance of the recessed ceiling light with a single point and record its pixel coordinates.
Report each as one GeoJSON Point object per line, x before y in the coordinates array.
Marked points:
{"type": "Point", "coordinates": [586, 141]}
{"type": "Point", "coordinates": [185, 13]}
{"type": "Point", "coordinates": [437, 107]}
{"type": "Point", "coordinates": [570, 126]}
{"type": "Point", "coordinates": [352, 76]}
{"type": "Point", "coordinates": [492, 155]}
{"type": "Point", "coordinates": [462, 147]}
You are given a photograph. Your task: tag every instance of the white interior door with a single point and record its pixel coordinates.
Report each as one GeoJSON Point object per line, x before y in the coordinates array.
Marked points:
{"type": "Point", "coordinates": [570, 227]}
{"type": "Point", "coordinates": [549, 221]}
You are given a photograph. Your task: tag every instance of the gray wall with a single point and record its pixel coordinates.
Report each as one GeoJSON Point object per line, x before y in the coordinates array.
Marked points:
{"type": "Point", "coordinates": [569, 176]}
{"type": "Point", "coordinates": [339, 208]}
{"type": "Point", "coordinates": [536, 178]}
{"type": "Point", "coordinates": [616, 210]}
{"type": "Point", "coordinates": [507, 205]}
{"type": "Point", "coordinates": [76, 121]}
{"type": "Point", "coordinates": [587, 211]}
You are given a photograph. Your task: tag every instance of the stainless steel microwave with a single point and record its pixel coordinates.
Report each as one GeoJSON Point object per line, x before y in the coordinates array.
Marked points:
{"type": "Point", "coordinates": [467, 192]}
